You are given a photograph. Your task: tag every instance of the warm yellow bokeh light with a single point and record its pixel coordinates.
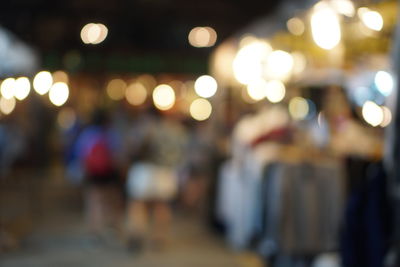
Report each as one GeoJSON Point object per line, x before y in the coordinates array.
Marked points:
{"type": "Point", "coordinates": [22, 87]}
{"type": "Point", "coordinates": [200, 109]}
{"type": "Point", "coordinates": [116, 89]}
{"type": "Point", "coordinates": [136, 94]}
{"type": "Point", "coordinates": [93, 33]}
{"type": "Point", "coordinates": [7, 105]}
{"type": "Point", "coordinates": [387, 116]}
{"type": "Point", "coordinates": [279, 65]}
{"type": "Point", "coordinates": [147, 80]}
{"type": "Point", "coordinates": [257, 89]}
{"type": "Point", "coordinates": [164, 97]}
{"type": "Point", "coordinates": [298, 108]}
{"type": "Point", "coordinates": [202, 37]}
{"type": "Point", "coordinates": [205, 86]}
{"type": "Point", "coordinates": [247, 40]}
{"type": "Point", "coordinates": [325, 26]}
{"type": "Point", "coordinates": [59, 93]}
{"type": "Point", "coordinates": [7, 88]}
{"type": "Point", "coordinates": [295, 26]}
{"type": "Point", "coordinates": [66, 118]}
{"type": "Point", "coordinates": [275, 91]}
{"type": "Point", "coordinates": [60, 76]}
{"type": "Point", "coordinates": [371, 19]}
{"type": "Point", "coordinates": [372, 113]}
{"type": "Point", "coordinates": [42, 82]}
{"type": "Point", "coordinates": [248, 63]}
{"type": "Point", "coordinates": [299, 63]}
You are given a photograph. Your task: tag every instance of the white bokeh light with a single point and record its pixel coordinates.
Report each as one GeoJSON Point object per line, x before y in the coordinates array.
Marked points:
{"type": "Point", "coordinates": [371, 19]}
{"type": "Point", "coordinates": [372, 113]}
{"type": "Point", "coordinates": [279, 65]}
{"type": "Point", "coordinates": [164, 97]}
{"type": "Point", "coordinates": [7, 88]}
{"type": "Point", "coordinates": [42, 82]}
{"type": "Point", "coordinates": [205, 86]}
{"type": "Point", "coordinates": [22, 87]}
{"type": "Point", "coordinates": [384, 82]}
{"type": "Point", "coordinates": [325, 26]}
{"type": "Point", "coordinates": [248, 63]}
{"type": "Point", "coordinates": [275, 91]}
{"type": "Point", "coordinates": [257, 89]}
{"type": "Point", "coordinates": [59, 93]}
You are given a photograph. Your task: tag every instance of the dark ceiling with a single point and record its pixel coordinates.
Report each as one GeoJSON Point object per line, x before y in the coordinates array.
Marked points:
{"type": "Point", "coordinates": [135, 26]}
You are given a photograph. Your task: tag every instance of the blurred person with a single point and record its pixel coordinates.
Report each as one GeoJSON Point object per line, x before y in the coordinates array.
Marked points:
{"type": "Point", "coordinates": [197, 169]}
{"type": "Point", "coordinates": [157, 144]}
{"type": "Point", "coordinates": [96, 149]}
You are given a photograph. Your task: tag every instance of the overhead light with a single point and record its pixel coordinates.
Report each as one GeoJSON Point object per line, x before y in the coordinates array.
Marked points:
{"type": "Point", "coordinates": [325, 26]}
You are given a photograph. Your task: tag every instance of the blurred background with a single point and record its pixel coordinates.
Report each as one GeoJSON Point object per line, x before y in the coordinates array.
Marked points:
{"type": "Point", "coordinates": [210, 133]}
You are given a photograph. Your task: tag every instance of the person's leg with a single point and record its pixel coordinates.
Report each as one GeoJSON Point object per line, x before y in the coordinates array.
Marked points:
{"type": "Point", "coordinates": [113, 206]}
{"type": "Point", "coordinates": [93, 208]}
{"type": "Point", "coordinates": [137, 223]}
{"type": "Point", "coordinates": [162, 222]}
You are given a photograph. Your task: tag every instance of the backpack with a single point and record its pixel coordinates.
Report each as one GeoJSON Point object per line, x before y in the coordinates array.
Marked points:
{"type": "Point", "coordinates": [98, 160]}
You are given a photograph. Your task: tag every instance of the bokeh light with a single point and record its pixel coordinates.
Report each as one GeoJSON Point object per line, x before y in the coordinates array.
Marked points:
{"type": "Point", "coordinates": [279, 65]}
{"type": "Point", "coordinates": [248, 63]}
{"type": "Point", "coordinates": [93, 33]}
{"type": "Point", "coordinates": [200, 109]}
{"type": "Point", "coordinates": [295, 26]}
{"type": "Point", "coordinates": [66, 118]}
{"type": "Point", "coordinates": [59, 93]}
{"type": "Point", "coordinates": [275, 91]}
{"type": "Point", "coordinates": [103, 34]}
{"type": "Point", "coordinates": [147, 80]}
{"type": "Point", "coordinates": [202, 37]}
{"type": "Point", "coordinates": [116, 89]}
{"type": "Point", "coordinates": [84, 33]}
{"type": "Point", "coordinates": [42, 82]}
{"type": "Point", "coordinates": [257, 89]}
{"type": "Point", "coordinates": [325, 26]}
{"type": "Point", "coordinates": [205, 86]}
{"type": "Point", "coordinates": [164, 97]}
{"type": "Point", "coordinates": [246, 97]}
{"type": "Point", "coordinates": [7, 88]}
{"type": "Point", "coordinates": [136, 94]}
{"type": "Point", "coordinates": [298, 108]}
{"type": "Point", "coordinates": [60, 76]}
{"type": "Point", "coordinates": [299, 63]}
{"type": "Point", "coordinates": [372, 113]}
{"type": "Point", "coordinates": [362, 94]}
{"type": "Point", "coordinates": [384, 82]}
{"type": "Point", "coordinates": [7, 105]}
{"type": "Point", "coordinates": [344, 7]}
{"type": "Point", "coordinates": [387, 117]}
{"type": "Point", "coordinates": [371, 19]}
{"type": "Point", "coordinates": [22, 87]}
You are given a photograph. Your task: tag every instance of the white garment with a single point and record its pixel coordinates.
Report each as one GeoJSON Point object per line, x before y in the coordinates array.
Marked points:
{"type": "Point", "coordinates": [148, 181]}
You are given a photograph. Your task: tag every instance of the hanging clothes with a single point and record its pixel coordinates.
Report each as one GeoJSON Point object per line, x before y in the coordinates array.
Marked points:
{"type": "Point", "coordinates": [367, 225]}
